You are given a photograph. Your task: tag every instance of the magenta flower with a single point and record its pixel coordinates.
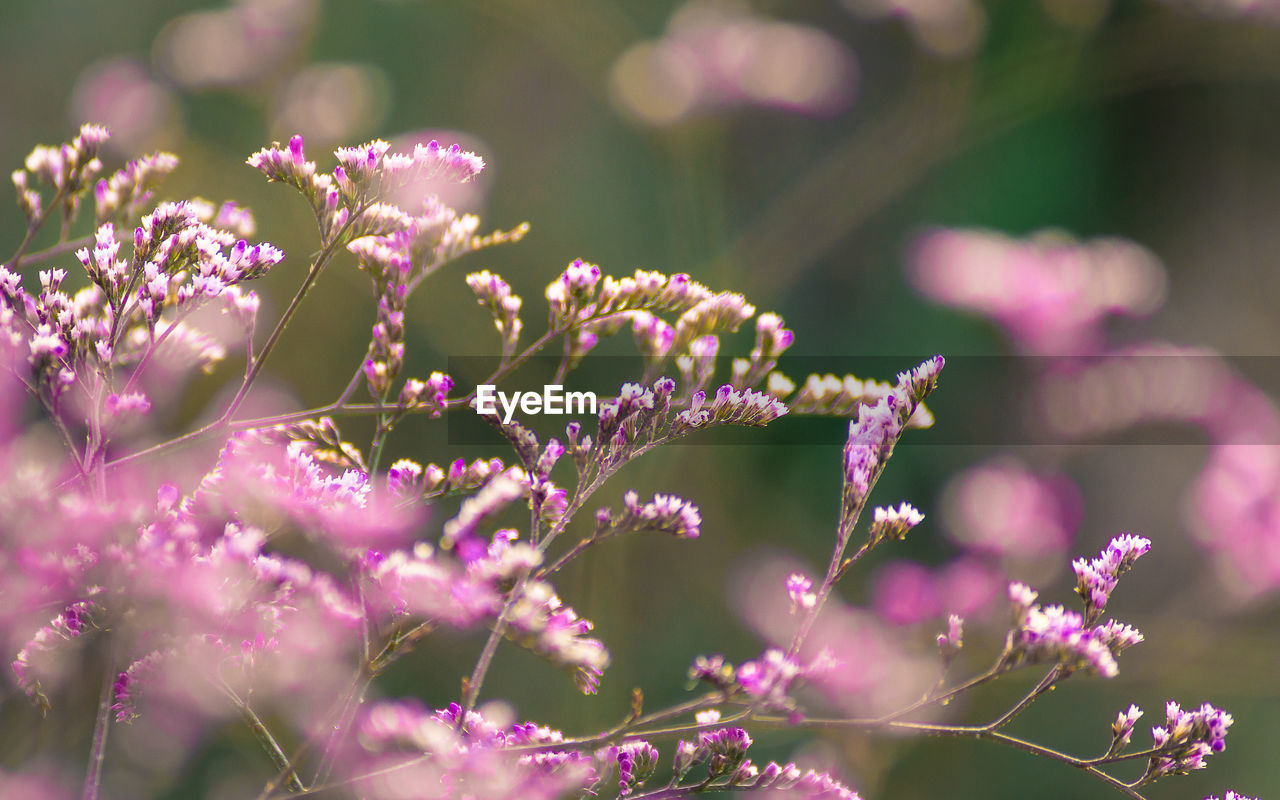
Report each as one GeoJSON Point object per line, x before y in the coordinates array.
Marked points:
{"type": "Point", "coordinates": [1187, 738]}
{"type": "Point", "coordinates": [1096, 578]}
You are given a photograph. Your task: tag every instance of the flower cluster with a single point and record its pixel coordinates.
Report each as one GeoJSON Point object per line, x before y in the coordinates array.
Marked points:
{"type": "Point", "coordinates": [1072, 640]}
{"type": "Point", "coordinates": [410, 480]}
{"type": "Point", "coordinates": [539, 621]}
{"type": "Point", "coordinates": [493, 497]}
{"type": "Point", "coordinates": [70, 624]}
{"type": "Point", "coordinates": [730, 407]}
{"type": "Point", "coordinates": [581, 293]}
{"type": "Point", "coordinates": [827, 395]}
{"type": "Point", "coordinates": [1122, 728]}
{"type": "Point", "coordinates": [664, 513]}
{"type": "Point", "coordinates": [1096, 578]}
{"type": "Point", "coordinates": [69, 169]}
{"type": "Point", "coordinates": [799, 589]}
{"type": "Point", "coordinates": [420, 583]}
{"type": "Point", "coordinates": [139, 302]}
{"type": "Point", "coordinates": [769, 679]}
{"type": "Point", "coordinates": [130, 188]}
{"type": "Point", "coordinates": [125, 688]}
{"type": "Point", "coordinates": [495, 294]}
{"type": "Point", "coordinates": [293, 480]}
{"type": "Point", "coordinates": [724, 751]}
{"type": "Point", "coordinates": [772, 340]}
{"type": "Point", "coordinates": [401, 259]}
{"type": "Point", "coordinates": [427, 754]}
{"type": "Point", "coordinates": [894, 523]}
{"type": "Point", "coordinates": [290, 573]}
{"type": "Point", "coordinates": [428, 395]}
{"type": "Point", "coordinates": [874, 433]}
{"type": "Point", "coordinates": [1055, 634]}
{"type": "Point", "coordinates": [636, 762]}
{"type": "Point", "coordinates": [1187, 738]}
{"type": "Point", "coordinates": [950, 642]}
{"type": "Point", "coordinates": [367, 170]}
{"type": "Point", "coordinates": [654, 335]}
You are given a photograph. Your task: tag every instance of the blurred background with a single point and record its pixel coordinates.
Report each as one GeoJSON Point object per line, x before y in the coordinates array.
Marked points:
{"type": "Point", "coordinates": [808, 155]}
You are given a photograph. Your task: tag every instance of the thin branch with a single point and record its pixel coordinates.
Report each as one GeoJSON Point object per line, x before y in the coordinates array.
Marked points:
{"type": "Point", "coordinates": [317, 267]}
{"type": "Point", "coordinates": [62, 248]}
{"type": "Point", "coordinates": [101, 727]}
{"type": "Point", "coordinates": [269, 743]}
{"type": "Point", "coordinates": [34, 227]}
{"type": "Point", "coordinates": [1040, 688]}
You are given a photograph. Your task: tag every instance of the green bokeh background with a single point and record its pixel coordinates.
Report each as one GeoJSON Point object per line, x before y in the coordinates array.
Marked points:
{"type": "Point", "coordinates": [1158, 126]}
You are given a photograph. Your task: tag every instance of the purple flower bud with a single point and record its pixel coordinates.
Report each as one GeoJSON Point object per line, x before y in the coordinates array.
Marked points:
{"type": "Point", "coordinates": [894, 523]}
{"type": "Point", "coordinates": [799, 589]}
{"type": "Point", "coordinates": [949, 643]}
{"type": "Point", "coordinates": [1122, 728]}
{"type": "Point", "coordinates": [1096, 579]}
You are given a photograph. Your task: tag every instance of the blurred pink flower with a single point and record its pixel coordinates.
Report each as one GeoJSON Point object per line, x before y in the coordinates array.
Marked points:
{"type": "Point", "coordinates": [968, 586]}
{"type": "Point", "coordinates": [1050, 293]}
{"type": "Point", "coordinates": [1231, 507]}
{"type": "Point", "coordinates": [1234, 509]}
{"type": "Point", "coordinates": [331, 103]}
{"type": "Point", "coordinates": [878, 671]}
{"type": "Point", "coordinates": [875, 669]}
{"type": "Point", "coordinates": [905, 592]}
{"type": "Point", "coordinates": [121, 95]}
{"type": "Point", "coordinates": [34, 785]}
{"type": "Point", "coordinates": [716, 56]}
{"type": "Point", "coordinates": [336, 505]}
{"type": "Point", "coordinates": [948, 28]}
{"type": "Point", "coordinates": [234, 46]}
{"type": "Point", "coordinates": [1003, 508]}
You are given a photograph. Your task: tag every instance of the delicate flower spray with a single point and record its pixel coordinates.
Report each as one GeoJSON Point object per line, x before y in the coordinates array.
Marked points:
{"type": "Point", "coordinates": [278, 587]}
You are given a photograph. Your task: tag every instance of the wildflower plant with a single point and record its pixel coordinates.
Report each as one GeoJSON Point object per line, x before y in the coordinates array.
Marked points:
{"type": "Point", "coordinates": [282, 583]}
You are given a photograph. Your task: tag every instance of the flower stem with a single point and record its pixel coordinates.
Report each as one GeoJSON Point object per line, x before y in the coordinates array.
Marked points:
{"type": "Point", "coordinates": [272, 747]}
{"type": "Point", "coordinates": [101, 727]}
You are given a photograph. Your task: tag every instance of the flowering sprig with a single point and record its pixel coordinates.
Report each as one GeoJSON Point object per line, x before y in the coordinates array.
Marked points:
{"type": "Point", "coordinates": [894, 523]}
{"type": "Point", "coordinates": [495, 294]}
{"type": "Point", "coordinates": [724, 751]}
{"type": "Point", "coordinates": [664, 513]}
{"type": "Point", "coordinates": [1186, 739]}
{"type": "Point", "coordinates": [410, 481]}
{"type": "Point", "coordinates": [1054, 634]}
{"type": "Point", "coordinates": [296, 560]}
{"type": "Point", "coordinates": [129, 189]}
{"type": "Point", "coordinates": [875, 432]}
{"type": "Point", "coordinates": [72, 623]}
{"type": "Point", "coordinates": [1096, 578]}
{"type": "Point", "coordinates": [176, 264]}
{"type": "Point", "coordinates": [636, 762]}
{"type": "Point", "coordinates": [1074, 640]}
{"type": "Point", "coordinates": [125, 688]}
{"type": "Point", "coordinates": [539, 621]}
{"type": "Point", "coordinates": [69, 169]}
